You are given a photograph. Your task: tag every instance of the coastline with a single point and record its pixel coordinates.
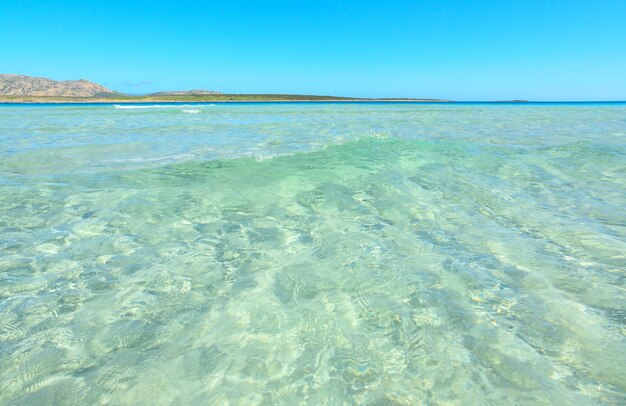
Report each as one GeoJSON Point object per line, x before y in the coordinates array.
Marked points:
{"type": "Point", "coordinates": [4, 102]}
{"type": "Point", "coordinates": [234, 98]}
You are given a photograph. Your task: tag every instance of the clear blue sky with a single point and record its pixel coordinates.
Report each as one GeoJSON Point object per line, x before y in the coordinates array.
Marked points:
{"type": "Point", "coordinates": [456, 49]}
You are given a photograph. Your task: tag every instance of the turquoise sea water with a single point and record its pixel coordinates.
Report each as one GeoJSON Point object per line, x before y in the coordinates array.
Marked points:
{"type": "Point", "coordinates": [314, 253]}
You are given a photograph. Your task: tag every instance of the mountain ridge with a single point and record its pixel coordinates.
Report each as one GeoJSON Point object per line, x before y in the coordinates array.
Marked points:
{"type": "Point", "coordinates": [22, 85]}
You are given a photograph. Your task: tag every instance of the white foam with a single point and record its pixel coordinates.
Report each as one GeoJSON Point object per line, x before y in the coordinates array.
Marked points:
{"type": "Point", "coordinates": [160, 106]}
{"type": "Point", "coordinates": [176, 157]}
{"type": "Point", "coordinates": [191, 111]}
{"type": "Point", "coordinates": [151, 106]}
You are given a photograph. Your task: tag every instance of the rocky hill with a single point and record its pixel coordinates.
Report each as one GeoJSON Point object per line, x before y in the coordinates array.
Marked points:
{"type": "Point", "coordinates": [20, 85]}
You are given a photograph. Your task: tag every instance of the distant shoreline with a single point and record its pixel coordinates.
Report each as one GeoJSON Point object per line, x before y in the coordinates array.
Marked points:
{"type": "Point", "coordinates": [228, 101]}
{"type": "Point", "coordinates": [258, 98]}
{"type": "Point", "coordinates": [16, 88]}
{"type": "Point", "coordinates": [242, 98]}
{"type": "Point", "coordinates": [182, 102]}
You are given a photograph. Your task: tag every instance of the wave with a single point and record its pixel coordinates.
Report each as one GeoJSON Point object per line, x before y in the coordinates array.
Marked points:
{"type": "Point", "coordinates": [168, 158]}
{"type": "Point", "coordinates": [365, 152]}
{"type": "Point", "coordinates": [160, 106]}
{"type": "Point", "coordinates": [151, 106]}
{"type": "Point", "coordinates": [191, 111]}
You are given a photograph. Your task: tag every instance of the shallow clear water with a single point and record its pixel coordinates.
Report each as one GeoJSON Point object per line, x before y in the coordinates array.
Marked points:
{"type": "Point", "coordinates": [313, 253]}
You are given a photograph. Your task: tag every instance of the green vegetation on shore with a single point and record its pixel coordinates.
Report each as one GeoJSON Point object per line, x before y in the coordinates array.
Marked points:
{"type": "Point", "coordinates": [119, 98]}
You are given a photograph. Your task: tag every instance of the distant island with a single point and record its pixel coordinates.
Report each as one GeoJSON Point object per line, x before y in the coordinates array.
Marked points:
{"type": "Point", "coordinates": [28, 89]}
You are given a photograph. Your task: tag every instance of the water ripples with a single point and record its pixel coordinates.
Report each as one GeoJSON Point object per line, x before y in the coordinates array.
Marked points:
{"type": "Point", "coordinates": [473, 254]}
